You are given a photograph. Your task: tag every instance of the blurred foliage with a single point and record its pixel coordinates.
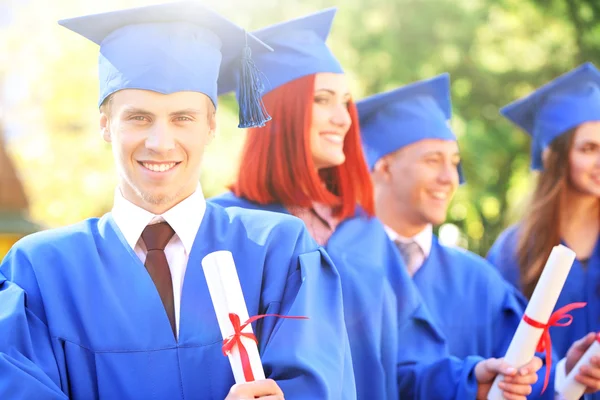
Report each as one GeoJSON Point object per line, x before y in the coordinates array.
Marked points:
{"type": "Point", "coordinates": [495, 51]}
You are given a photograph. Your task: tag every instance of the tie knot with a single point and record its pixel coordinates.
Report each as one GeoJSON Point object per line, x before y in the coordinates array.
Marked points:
{"type": "Point", "coordinates": [408, 248]}
{"type": "Point", "coordinates": [156, 236]}
{"type": "Point", "coordinates": [411, 255]}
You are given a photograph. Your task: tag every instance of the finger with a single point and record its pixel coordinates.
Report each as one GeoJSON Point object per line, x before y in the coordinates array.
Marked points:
{"type": "Point", "coordinates": [590, 372]}
{"type": "Point", "coordinates": [273, 397]}
{"type": "Point", "coordinates": [264, 387]}
{"type": "Point", "coordinates": [585, 342]}
{"type": "Point", "coordinates": [532, 366]}
{"type": "Point", "coordinates": [595, 361]}
{"type": "Point", "coordinates": [510, 396]}
{"type": "Point", "coordinates": [528, 379]}
{"type": "Point", "coordinates": [588, 382]}
{"type": "Point", "coordinates": [511, 388]}
{"type": "Point", "coordinates": [497, 366]}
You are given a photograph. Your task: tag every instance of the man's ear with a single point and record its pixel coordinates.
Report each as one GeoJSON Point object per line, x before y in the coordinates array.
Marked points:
{"type": "Point", "coordinates": [212, 126]}
{"type": "Point", "coordinates": [105, 127]}
{"type": "Point", "coordinates": [381, 170]}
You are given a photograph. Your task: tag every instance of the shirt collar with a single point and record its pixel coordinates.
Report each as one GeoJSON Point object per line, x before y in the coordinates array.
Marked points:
{"type": "Point", "coordinates": [185, 218]}
{"type": "Point", "coordinates": [423, 238]}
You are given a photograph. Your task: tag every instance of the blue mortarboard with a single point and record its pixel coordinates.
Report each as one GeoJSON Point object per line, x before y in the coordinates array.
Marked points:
{"type": "Point", "coordinates": [167, 48]}
{"type": "Point", "coordinates": [299, 50]}
{"type": "Point", "coordinates": [394, 119]}
{"type": "Point", "coordinates": [553, 109]}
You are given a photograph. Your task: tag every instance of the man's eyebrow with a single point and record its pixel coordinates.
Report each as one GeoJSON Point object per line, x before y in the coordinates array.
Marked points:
{"type": "Point", "coordinates": [433, 153]}
{"type": "Point", "coordinates": [187, 111]}
{"type": "Point", "coordinates": [135, 110]}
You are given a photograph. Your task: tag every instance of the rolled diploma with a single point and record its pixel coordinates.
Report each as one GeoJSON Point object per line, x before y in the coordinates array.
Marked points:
{"type": "Point", "coordinates": [227, 297]}
{"type": "Point", "coordinates": [524, 343]}
{"type": "Point", "coordinates": [570, 389]}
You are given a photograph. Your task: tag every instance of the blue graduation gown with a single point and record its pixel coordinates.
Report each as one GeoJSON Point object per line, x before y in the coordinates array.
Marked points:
{"type": "Point", "coordinates": [476, 310]}
{"type": "Point", "coordinates": [582, 284]}
{"type": "Point", "coordinates": [384, 316]}
{"type": "Point", "coordinates": [81, 318]}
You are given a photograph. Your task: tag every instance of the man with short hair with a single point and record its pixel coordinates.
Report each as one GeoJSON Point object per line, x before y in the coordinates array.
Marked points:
{"type": "Point", "coordinates": [118, 307]}
{"type": "Point", "coordinates": [415, 166]}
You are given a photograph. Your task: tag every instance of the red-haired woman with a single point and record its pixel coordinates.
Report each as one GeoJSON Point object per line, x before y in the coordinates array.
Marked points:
{"type": "Point", "coordinates": [563, 117]}
{"type": "Point", "coordinates": [308, 162]}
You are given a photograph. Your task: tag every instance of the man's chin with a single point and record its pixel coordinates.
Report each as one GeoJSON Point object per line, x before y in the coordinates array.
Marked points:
{"type": "Point", "coordinates": [158, 197]}
{"type": "Point", "coordinates": [435, 219]}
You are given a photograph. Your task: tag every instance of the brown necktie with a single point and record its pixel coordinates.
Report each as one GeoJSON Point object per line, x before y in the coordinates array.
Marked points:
{"type": "Point", "coordinates": [156, 237]}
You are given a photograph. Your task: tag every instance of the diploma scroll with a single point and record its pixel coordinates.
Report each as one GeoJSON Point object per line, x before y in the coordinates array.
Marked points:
{"type": "Point", "coordinates": [523, 346]}
{"type": "Point", "coordinates": [228, 299]}
{"type": "Point", "coordinates": [570, 389]}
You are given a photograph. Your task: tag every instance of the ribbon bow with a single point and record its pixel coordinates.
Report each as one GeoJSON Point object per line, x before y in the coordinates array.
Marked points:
{"type": "Point", "coordinates": [236, 339]}
{"type": "Point", "coordinates": [545, 343]}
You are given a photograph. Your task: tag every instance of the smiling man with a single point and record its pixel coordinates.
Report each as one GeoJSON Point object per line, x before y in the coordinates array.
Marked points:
{"type": "Point", "coordinates": [415, 165]}
{"type": "Point", "coordinates": [118, 307]}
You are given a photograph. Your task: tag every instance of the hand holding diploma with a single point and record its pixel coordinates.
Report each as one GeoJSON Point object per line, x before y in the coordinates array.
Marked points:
{"type": "Point", "coordinates": [582, 367]}
{"type": "Point", "coordinates": [516, 384]}
{"type": "Point", "coordinates": [532, 333]}
{"type": "Point", "coordinates": [265, 389]}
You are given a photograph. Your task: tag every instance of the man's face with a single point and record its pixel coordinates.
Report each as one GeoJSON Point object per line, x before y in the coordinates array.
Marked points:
{"type": "Point", "coordinates": [423, 178]}
{"type": "Point", "coordinates": [158, 144]}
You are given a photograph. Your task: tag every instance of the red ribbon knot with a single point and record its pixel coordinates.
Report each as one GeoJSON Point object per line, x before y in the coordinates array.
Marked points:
{"type": "Point", "coordinates": [545, 343]}
{"type": "Point", "coordinates": [236, 339]}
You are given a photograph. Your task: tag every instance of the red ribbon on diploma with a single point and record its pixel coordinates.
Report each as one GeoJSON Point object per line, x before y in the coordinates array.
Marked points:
{"type": "Point", "coordinates": [545, 342]}
{"type": "Point", "coordinates": [236, 339]}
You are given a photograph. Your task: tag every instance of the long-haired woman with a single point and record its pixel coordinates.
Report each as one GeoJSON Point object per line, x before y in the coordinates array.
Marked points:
{"type": "Point", "coordinates": [563, 118]}
{"type": "Point", "coordinates": [308, 162]}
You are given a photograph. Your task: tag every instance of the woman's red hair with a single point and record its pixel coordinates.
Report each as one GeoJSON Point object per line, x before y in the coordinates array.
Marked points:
{"type": "Point", "coordinates": [276, 164]}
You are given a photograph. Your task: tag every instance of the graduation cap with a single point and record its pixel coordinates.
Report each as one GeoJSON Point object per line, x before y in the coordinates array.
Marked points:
{"type": "Point", "coordinates": [172, 47]}
{"type": "Point", "coordinates": [394, 119]}
{"type": "Point", "coordinates": [299, 50]}
{"type": "Point", "coordinates": [555, 108]}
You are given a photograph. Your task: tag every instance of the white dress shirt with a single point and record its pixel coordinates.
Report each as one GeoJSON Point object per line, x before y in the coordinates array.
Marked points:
{"type": "Point", "coordinates": [184, 218]}
{"type": "Point", "coordinates": [423, 239]}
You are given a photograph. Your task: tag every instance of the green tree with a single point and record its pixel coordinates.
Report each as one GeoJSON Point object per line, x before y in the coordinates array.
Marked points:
{"type": "Point", "coordinates": [496, 51]}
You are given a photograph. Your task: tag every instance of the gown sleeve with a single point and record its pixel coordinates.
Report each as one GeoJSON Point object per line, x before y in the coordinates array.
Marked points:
{"type": "Point", "coordinates": [310, 359]}
{"type": "Point", "coordinates": [29, 366]}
